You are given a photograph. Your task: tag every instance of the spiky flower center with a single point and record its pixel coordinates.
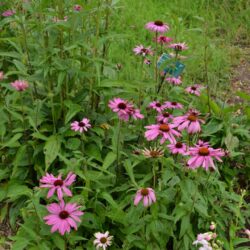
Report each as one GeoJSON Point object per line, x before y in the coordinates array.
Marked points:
{"type": "Point", "coordinates": [103, 240]}
{"type": "Point", "coordinates": [63, 214]}
{"type": "Point", "coordinates": [178, 145]}
{"type": "Point", "coordinates": [193, 88]}
{"type": "Point", "coordinates": [166, 114]}
{"type": "Point", "coordinates": [144, 50]}
{"type": "Point", "coordinates": [158, 23]}
{"type": "Point", "coordinates": [164, 128]}
{"type": "Point", "coordinates": [58, 183]}
{"type": "Point", "coordinates": [122, 105]}
{"type": "Point", "coordinates": [158, 105]}
{"type": "Point", "coordinates": [144, 192]}
{"type": "Point", "coordinates": [81, 124]}
{"type": "Point", "coordinates": [154, 153]}
{"type": "Point", "coordinates": [203, 151]}
{"type": "Point", "coordinates": [174, 103]}
{"type": "Point", "coordinates": [192, 118]}
{"type": "Point", "coordinates": [178, 47]}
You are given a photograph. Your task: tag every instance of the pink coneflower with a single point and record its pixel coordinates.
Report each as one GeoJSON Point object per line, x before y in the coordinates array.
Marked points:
{"type": "Point", "coordinates": [157, 106]}
{"type": "Point", "coordinates": [157, 26]}
{"type": "Point", "coordinates": [81, 126]}
{"type": "Point", "coordinates": [174, 80]}
{"type": "Point", "coordinates": [189, 121]}
{"type": "Point", "coordinates": [178, 46]}
{"type": "Point", "coordinates": [63, 217]}
{"type": "Point", "coordinates": [56, 184]}
{"type": "Point", "coordinates": [143, 51]}
{"type": "Point", "coordinates": [178, 148]}
{"type": "Point", "coordinates": [173, 105]}
{"type": "Point", "coordinates": [145, 194]}
{"type": "Point", "coordinates": [203, 157]}
{"type": "Point", "coordinates": [1, 75]}
{"type": "Point", "coordinates": [164, 117]}
{"type": "Point", "coordinates": [8, 13]}
{"type": "Point", "coordinates": [163, 40]}
{"type": "Point", "coordinates": [20, 85]}
{"type": "Point", "coordinates": [152, 152]}
{"type": "Point", "coordinates": [124, 109]}
{"type": "Point", "coordinates": [195, 89]}
{"type": "Point", "coordinates": [165, 130]}
{"type": "Point", "coordinates": [77, 7]}
{"type": "Point", "coordinates": [103, 240]}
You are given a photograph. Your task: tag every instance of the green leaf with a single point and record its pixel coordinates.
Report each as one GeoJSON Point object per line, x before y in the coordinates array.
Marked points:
{"type": "Point", "coordinates": [185, 225]}
{"type": "Point", "coordinates": [109, 159]}
{"type": "Point", "coordinates": [232, 142]}
{"type": "Point", "coordinates": [13, 142]}
{"type": "Point", "coordinates": [58, 241]}
{"type": "Point", "coordinates": [51, 149]}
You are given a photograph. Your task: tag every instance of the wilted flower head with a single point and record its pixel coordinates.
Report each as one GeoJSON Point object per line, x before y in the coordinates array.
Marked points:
{"type": "Point", "coordinates": [147, 61]}
{"type": "Point", "coordinates": [157, 26]}
{"type": "Point", "coordinates": [20, 85]}
{"type": "Point", "coordinates": [166, 131]}
{"type": "Point", "coordinates": [147, 195]}
{"type": "Point", "coordinates": [247, 232]}
{"type": "Point", "coordinates": [194, 89]}
{"type": "Point", "coordinates": [174, 80]}
{"type": "Point", "coordinates": [143, 51]}
{"type": "Point", "coordinates": [189, 121]}
{"type": "Point", "coordinates": [153, 152]}
{"type": "Point", "coordinates": [163, 39]}
{"type": "Point", "coordinates": [103, 240]}
{"type": "Point", "coordinates": [56, 184]}
{"type": "Point", "coordinates": [1, 75]}
{"type": "Point", "coordinates": [81, 126]}
{"type": "Point", "coordinates": [212, 226]}
{"type": "Point", "coordinates": [202, 156]}
{"type": "Point", "coordinates": [57, 20]}
{"type": "Point", "coordinates": [77, 7]}
{"type": "Point", "coordinates": [178, 46]}
{"type": "Point", "coordinates": [8, 13]}
{"type": "Point", "coordinates": [63, 216]}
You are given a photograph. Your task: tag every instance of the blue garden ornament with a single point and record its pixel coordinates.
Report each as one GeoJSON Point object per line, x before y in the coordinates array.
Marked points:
{"type": "Point", "coordinates": [164, 57]}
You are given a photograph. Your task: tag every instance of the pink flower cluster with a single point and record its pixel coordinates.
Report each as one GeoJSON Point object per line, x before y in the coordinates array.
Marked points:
{"type": "Point", "coordinates": [8, 13]}
{"type": "Point", "coordinates": [124, 109]}
{"type": "Point", "coordinates": [63, 216]}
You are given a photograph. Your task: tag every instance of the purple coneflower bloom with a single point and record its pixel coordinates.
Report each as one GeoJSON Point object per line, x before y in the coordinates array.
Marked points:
{"type": "Point", "coordinates": [145, 194]}
{"type": "Point", "coordinates": [20, 85]}
{"type": "Point", "coordinates": [163, 40]}
{"type": "Point", "coordinates": [63, 216]}
{"type": "Point", "coordinates": [157, 26]}
{"type": "Point", "coordinates": [165, 130]}
{"type": "Point", "coordinates": [203, 156]}
{"type": "Point", "coordinates": [174, 80]}
{"type": "Point", "coordinates": [164, 117]}
{"type": "Point", "coordinates": [195, 89]}
{"type": "Point", "coordinates": [103, 240]}
{"type": "Point", "coordinates": [147, 61]}
{"type": "Point", "coordinates": [8, 13]}
{"type": "Point", "coordinates": [189, 121]}
{"type": "Point", "coordinates": [178, 46]}
{"type": "Point", "coordinates": [124, 109]}
{"type": "Point", "coordinates": [157, 106]}
{"type": "Point", "coordinates": [81, 126]}
{"type": "Point", "coordinates": [173, 105]}
{"type": "Point", "coordinates": [56, 184]}
{"type": "Point", "coordinates": [178, 148]}
{"type": "Point", "coordinates": [143, 51]}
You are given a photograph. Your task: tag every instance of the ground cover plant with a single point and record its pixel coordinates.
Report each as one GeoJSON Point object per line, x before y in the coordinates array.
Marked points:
{"type": "Point", "coordinates": [118, 129]}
